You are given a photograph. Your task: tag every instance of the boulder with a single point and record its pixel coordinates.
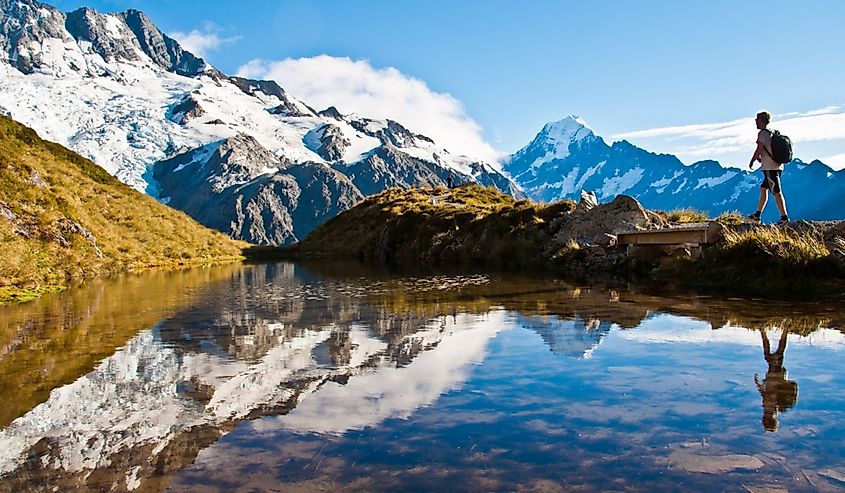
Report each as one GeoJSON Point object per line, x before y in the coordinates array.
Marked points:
{"type": "Point", "coordinates": [588, 200]}
{"type": "Point", "coordinates": [624, 213]}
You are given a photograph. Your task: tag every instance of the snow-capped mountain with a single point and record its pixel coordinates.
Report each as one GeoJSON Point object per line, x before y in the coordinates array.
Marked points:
{"type": "Point", "coordinates": [567, 156]}
{"type": "Point", "coordinates": [114, 88]}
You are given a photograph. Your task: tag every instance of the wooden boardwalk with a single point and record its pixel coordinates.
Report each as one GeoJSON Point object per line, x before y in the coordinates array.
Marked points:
{"type": "Point", "coordinates": [692, 236]}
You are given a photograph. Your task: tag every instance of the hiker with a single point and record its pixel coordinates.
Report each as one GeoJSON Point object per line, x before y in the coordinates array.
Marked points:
{"type": "Point", "coordinates": [449, 181]}
{"type": "Point", "coordinates": [778, 393]}
{"type": "Point", "coordinates": [771, 170]}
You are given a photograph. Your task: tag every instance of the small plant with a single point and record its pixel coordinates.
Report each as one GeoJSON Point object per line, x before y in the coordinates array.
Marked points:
{"type": "Point", "coordinates": [685, 216]}
{"type": "Point", "coordinates": [731, 218]}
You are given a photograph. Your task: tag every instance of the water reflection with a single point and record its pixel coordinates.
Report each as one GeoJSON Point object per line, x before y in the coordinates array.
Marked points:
{"type": "Point", "coordinates": [779, 394]}
{"type": "Point", "coordinates": [278, 354]}
{"type": "Point", "coordinates": [576, 338]}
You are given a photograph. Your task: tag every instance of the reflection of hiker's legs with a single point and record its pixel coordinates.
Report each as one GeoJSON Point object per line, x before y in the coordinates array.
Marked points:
{"type": "Point", "coordinates": [766, 345]}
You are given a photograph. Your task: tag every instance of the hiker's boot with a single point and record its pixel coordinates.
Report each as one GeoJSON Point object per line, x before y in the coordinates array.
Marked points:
{"type": "Point", "coordinates": [784, 220]}
{"type": "Point", "coordinates": [754, 217]}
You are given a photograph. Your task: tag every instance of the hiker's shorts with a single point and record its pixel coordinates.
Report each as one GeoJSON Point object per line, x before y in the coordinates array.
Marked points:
{"type": "Point", "coordinates": [771, 180]}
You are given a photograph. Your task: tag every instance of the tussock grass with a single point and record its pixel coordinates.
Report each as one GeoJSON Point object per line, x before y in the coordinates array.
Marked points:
{"type": "Point", "coordinates": [45, 189]}
{"type": "Point", "coordinates": [768, 260]}
{"type": "Point", "coordinates": [731, 218]}
{"type": "Point", "coordinates": [773, 244]}
{"type": "Point", "coordinates": [685, 216]}
{"type": "Point", "coordinates": [466, 225]}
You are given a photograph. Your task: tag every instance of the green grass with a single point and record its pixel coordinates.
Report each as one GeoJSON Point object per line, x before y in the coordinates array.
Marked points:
{"type": "Point", "coordinates": [133, 232]}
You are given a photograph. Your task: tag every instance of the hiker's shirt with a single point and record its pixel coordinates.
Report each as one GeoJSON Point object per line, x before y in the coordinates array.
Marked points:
{"type": "Point", "coordinates": [769, 164]}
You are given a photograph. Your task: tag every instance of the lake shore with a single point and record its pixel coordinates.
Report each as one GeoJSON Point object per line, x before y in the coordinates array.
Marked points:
{"type": "Point", "coordinates": [472, 226]}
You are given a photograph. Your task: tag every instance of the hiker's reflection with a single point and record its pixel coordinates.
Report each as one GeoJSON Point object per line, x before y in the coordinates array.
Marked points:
{"type": "Point", "coordinates": [779, 394]}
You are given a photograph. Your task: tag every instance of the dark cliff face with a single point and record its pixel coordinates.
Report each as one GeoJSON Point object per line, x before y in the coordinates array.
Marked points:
{"type": "Point", "coordinates": [116, 37]}
{"type": "Point", "coordinates": [239, 187]}
{"type": "Point", "coordinates": [389, 167]}
{"type": "Point", "coordinates": [162, 49]}
{"type": "Point", "coordinates": [22, 24]}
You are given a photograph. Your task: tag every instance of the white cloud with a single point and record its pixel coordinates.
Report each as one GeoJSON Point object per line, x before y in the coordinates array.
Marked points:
{"type": "Point", "coordinates": [355, 86]}
{"type": "Point", "coordinates": [201, 42]}
{"type": "Point", "coordinates": [814, 134]}
{"type": "Point", "coordinates": [836, 161]}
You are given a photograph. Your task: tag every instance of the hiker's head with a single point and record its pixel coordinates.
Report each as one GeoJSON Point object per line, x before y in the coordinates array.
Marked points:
{"type": "Point", "coordinates": [763, 119]}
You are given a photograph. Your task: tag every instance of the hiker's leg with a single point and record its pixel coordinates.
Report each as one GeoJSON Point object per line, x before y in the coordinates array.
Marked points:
{"type": "Point", "coordinates": [781, 202]}
{"type": "Point", "coordinates": [764, 197]}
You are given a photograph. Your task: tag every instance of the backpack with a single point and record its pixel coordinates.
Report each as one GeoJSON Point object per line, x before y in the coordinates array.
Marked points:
{"type": "Point", "coordinates": [781, 147]}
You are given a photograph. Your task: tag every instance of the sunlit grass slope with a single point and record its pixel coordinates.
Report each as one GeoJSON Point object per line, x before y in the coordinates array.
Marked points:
{"type": "Point", "coordinates": [62, 217]}
{"type": "Point", "coordinates": [467, 225]}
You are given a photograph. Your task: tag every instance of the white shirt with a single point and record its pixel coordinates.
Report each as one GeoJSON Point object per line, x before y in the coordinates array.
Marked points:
{"type": "Point", "coordinates": [765, 138]}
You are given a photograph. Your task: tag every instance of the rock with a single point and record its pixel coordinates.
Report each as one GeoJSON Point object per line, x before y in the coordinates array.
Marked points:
{"type": "Point", "coordinates": [36, 180]}
{"type": "Point", "coordinates": [714, 464]}
{"type": "Point", "coordinates": [623, 213]}
{"type": "Point", "coordinates": [588, 200]}
{"type": "Point", "coordinates": [288, 106]}
{"type": "Point", "coordinates": [68, 226]}
{"type": "Point", "coordinates": [605, 240]}
{"type": "Point", "coordinates": [328, 142]}
{"type": "Point", "coordinates": [331, 112]}
{"type": "Point", "coordinates": [185, 110]}
{"type": "Point", "coordinates": [7, 213]}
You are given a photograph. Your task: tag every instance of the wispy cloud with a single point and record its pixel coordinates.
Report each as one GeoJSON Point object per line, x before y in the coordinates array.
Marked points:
{"type": "Point", "coordinates": [810, 131]}
{"type": "Point", "coordinates": [202, 41]}
{"type": "Point", "coordinates": [355, 86]}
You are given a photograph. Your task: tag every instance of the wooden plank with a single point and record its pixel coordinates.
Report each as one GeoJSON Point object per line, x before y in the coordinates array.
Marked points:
{"type": "Point", "coordinates": [697, 233]}
{"type": "Point", "coordinates": [663, 237]}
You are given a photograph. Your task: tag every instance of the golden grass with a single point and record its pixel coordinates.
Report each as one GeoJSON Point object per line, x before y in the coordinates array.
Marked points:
{"type": "Point", "coordinates": [731, 218]}
{"type": "Point", "coordinates": [133, 232]}
{"type": "Point", "coordinates": [773, 243]}
{"type": "Point", "coordinates": [685, 216]}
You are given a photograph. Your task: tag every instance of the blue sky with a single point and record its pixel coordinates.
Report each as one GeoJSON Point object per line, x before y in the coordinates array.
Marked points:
{"type": "Point", "coordinates": [645, 71]}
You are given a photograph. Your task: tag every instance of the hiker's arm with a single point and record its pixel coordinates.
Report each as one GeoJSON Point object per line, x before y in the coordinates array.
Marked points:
{"type": "Point", "coordinates": [758, 154]}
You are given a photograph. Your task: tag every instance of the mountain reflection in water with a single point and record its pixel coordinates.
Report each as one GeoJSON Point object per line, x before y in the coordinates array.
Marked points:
{"type": "Point", "coordinates": [279, 354]}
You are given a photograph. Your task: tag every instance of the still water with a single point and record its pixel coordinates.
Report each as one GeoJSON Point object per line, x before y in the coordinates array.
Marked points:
{"type": "Point", "coordinates": [279, 377]}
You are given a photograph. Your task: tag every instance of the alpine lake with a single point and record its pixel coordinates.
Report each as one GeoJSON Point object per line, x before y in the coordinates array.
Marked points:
{"type": "Point", "coordinates": [286, 377]}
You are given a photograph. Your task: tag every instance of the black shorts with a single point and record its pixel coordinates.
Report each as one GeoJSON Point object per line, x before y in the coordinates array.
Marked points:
{"type": "Point", "coordinates": [771, 180]}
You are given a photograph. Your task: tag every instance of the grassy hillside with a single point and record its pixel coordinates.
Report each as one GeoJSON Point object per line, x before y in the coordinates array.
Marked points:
{"type": "Point", "coordinates": [467, 225]}
{"type": "Point", "coordinates": [62, 218]}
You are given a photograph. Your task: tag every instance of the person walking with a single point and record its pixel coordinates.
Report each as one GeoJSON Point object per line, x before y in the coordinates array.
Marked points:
{"type": "Point", "coordinates": [771, 170]}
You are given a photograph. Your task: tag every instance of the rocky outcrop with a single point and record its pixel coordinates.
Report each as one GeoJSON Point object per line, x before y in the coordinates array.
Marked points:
{"type": "Point", "coordinates": [185, 110]}
{"type": "Point", "coordinates": [41, 22]}
{"type": "Point", "coordinates": [590, 225]}
{"type": "Point", "coordinates": [331, 112]}
{"type": "Point", "coordinates": [330, 143]}
{"type": "Point", "coordinates": [129, 36]}
{"type": "Point", "coordinates": [162, 49]}
{"type": "Point", "coordinates": [288, 106]}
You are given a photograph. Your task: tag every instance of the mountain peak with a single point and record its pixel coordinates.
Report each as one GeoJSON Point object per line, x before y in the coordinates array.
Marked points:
{"type": "Point", "coordinates": [570, 129]}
